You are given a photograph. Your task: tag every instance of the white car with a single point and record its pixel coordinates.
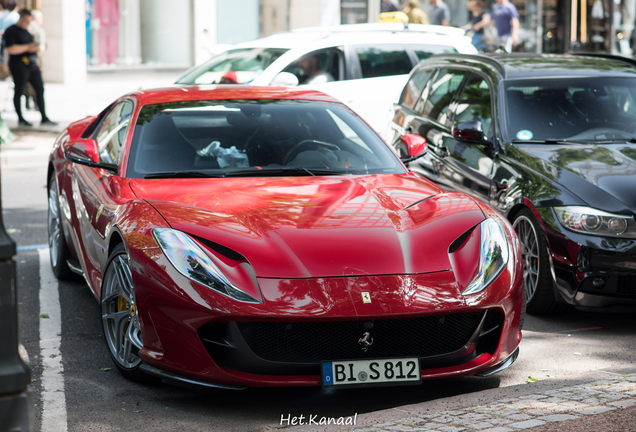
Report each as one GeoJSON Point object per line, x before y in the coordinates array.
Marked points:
{"type": "Point", "coordinates": [363, 65]}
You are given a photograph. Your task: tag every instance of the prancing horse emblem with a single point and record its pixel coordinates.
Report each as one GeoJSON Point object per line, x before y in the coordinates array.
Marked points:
{"type": "Point", "coordinates": [365, 341]}
{"type": "Point", "coordinates": [366, 297]}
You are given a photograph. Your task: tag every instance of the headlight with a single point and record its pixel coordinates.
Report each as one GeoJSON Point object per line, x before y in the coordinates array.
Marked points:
{"type": "Point", "coordinates": [188, 258]}
{"type": "Point", "coordinates": [493, 256]}
{"type": "Point", "coordinates": [586, 220]}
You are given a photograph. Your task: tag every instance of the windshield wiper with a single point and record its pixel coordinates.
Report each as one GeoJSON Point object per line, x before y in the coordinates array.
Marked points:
{"type": "Point", "coordinates": [283, 172]}
{"type": "Point", "coordinates": [182, 174]}
{"type": "Point", "coordinates": [545, 141]}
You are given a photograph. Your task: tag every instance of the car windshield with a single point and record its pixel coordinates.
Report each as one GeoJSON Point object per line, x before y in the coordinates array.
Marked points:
{"type": "Point", "coordinates": [255, 138]}
{"type": "Point", "coordinates": [571, 109]}
{"type": "Point", "coordinates": [246, 63]}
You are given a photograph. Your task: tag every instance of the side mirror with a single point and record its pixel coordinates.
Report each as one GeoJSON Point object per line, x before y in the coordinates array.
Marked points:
{"type": "Point", "coordinates": [285, 79]}
{"type": "Point", "coordinates": [86, 152]}
{"type": "Point", "coordinates": [411, 147]}
{"type": "Point", "coordinates": [85, 149]}
{"type": "Point", "coordinates": [470, 131]}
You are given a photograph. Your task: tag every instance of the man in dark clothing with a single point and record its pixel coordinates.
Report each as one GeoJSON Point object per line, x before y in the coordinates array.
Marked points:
{"type": "Point", "coordinates": [23, 64]}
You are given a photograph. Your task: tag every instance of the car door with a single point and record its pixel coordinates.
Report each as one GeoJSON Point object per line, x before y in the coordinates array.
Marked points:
{"type": "Point", "coordinates": [96, 190]}
{"type": "Point", "coordinates": [469, 166]}
{"type": "Point", "coordinates": [433, 122]}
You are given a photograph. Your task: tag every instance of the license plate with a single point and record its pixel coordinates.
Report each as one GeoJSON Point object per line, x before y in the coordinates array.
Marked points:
{"type": "Point", "coordinates": [364, 373]}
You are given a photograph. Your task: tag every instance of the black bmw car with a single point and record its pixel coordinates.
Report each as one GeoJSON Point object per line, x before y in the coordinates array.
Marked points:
{"type": "Point", "coordinates": [549, 140]}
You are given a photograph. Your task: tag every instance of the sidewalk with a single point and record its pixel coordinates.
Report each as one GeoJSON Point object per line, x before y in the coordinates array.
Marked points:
{"type": "Point", "coordinates": [599, 401]}
{"type": "Point", "coordinates": [66, 103]}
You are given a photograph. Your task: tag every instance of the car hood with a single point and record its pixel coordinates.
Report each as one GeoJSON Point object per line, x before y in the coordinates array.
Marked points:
{"type": "Point", "coordinates": [307, 227]}
{"type": "Point", "coordinates": [602, 175]}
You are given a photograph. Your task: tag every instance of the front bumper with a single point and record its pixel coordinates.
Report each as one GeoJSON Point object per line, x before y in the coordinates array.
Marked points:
{"type": "Point", "coordinates": [194, 335]}
{"type": "Point", "coordinates": [591, 273]}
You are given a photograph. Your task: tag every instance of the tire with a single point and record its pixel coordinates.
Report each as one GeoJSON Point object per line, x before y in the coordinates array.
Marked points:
{"type": "Point", "coordinates": [120, 318]}
{"type": "Point", "coordinates": [537, 281]}
{"type": "Point", "coordinates": [59, 251]}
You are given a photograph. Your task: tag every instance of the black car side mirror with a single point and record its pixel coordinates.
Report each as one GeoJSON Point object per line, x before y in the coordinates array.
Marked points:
{"type": "Point", "coordinates": [470, 131]}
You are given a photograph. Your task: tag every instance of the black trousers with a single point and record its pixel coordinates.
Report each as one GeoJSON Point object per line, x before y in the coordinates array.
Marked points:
{"type": "Point", "coordinates": [22, 74]}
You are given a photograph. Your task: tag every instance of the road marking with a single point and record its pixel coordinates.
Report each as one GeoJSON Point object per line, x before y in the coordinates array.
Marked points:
{"type": "Point", "coordinates": [53, 396]}
{"type": "Point", "coordinates": [32, 247]}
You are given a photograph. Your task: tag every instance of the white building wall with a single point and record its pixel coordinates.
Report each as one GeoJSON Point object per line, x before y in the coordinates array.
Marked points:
{"type": "Point", "coordinates": [166, 32]}
{"type": "Point", "coordinates": [303, 13]}
{"type": "Point", "coordinates": [64, 61]}
{"type": "Point", "coordinates": [204, 22]}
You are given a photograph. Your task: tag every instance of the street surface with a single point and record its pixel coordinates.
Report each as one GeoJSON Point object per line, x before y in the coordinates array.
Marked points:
{"type": "Point", "coordinates": [97, 398]}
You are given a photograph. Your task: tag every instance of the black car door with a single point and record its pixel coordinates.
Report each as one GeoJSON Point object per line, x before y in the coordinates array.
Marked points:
{"type": "Point", "coordinates": [433, 122]}
{"type": "Point", "coordinates": [469, 167]}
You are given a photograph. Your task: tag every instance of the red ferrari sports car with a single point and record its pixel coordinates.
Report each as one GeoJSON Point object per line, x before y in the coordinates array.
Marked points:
{"type": "Point", "coordinates": [242, 237]}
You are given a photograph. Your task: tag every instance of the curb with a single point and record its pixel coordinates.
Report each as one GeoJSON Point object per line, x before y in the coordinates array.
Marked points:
{"type": "Point", "coordinates": [515, 408]}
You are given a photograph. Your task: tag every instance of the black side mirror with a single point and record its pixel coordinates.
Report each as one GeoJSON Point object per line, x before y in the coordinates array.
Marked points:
{"type": "Point", "coordinates": [470, 131]}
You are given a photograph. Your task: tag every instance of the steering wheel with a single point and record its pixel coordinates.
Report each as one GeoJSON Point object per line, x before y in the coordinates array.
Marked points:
{"type": "Point", "coordinates": [308, 144]}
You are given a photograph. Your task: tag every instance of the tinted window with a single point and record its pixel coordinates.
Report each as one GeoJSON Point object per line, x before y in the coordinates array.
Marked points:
{"type": "Point", "coordinates": [247, 63]}
{"type": "Point", "coordinates": [475, 103]}
{"type": "Point", "coordinates": [414, 87]}
{"type": "Point", "coordinates": [317, 67]}
{"type": "Point", "coordinates": [383, 61]}
{"type": "Point", "coordinates": [112, 132]}
{"type": "Point", "coordinates": [443, 91]}
{"type": "Point", "coordinates": [256, 138]}
{"type": "Point", "coordinates": [579, 109]}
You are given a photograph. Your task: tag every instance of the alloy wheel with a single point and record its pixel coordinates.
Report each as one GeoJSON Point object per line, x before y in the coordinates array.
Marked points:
{"type": "Point", "coordinates": [530, 252]}
{"type": "Point", "coordinates": [120, 316]}
{"type": "Point", "coordinates": [55, 231]}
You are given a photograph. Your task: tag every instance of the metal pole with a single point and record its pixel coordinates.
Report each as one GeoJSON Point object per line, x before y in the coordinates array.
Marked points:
{"type": "Point", "coordinates": [16, 405]}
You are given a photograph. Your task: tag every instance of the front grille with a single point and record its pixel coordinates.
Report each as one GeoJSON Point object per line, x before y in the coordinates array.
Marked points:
{"type": "Point", "coordinates": [312, 342]}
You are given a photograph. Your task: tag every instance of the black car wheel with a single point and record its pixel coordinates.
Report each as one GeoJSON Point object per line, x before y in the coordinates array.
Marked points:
{"type": "Point", "coordinates": [537, 280]}
{"type": "Point", "coordinates": [120, 316]}
{"type": "Point", "coordinates": [59, 251]}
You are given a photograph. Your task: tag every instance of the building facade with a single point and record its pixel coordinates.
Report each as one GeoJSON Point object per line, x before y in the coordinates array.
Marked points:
{"type": "Point", "coordinates": [96, 35]}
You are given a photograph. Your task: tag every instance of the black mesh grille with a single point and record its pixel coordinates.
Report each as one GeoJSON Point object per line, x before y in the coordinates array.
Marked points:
{"type": "Point", "coordinates": [311, 342]}
{"type": "Point", "coordinates": [626, 285]}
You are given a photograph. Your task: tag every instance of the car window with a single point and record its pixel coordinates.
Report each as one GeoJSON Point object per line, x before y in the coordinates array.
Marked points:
{"type": "Point", "coordinates": [576, 109]}
{"type": "Point", "coordinates": [255, 138]}
{"type": "Point", "coordinates": [317, 67]}
{"type": "Point", "coordinates": [443, 91]}
{"type": "Point", "coordinates": [425, 51]}
{"type": "Point", "coordinates": [112, 132]}
{"type": "Point", "coordinates": [414, 86]}
{"type": "Point", "coordinates": [246, 63]}
{"type": "Point", "coordinates": [378, 61]}
{"type": "Point", "coordinates": [475, 103]}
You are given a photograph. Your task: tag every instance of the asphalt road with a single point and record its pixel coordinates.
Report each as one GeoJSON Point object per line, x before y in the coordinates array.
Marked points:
{"type": "Point", "coordinates": [99, 399]}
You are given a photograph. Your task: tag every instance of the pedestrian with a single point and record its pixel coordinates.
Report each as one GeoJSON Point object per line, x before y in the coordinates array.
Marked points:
{"type": "Point", "coordinates": [415, 14]}
{"type": "Point", "coordinates": [480, 19]}
{"type": "Point", "coordinates": [23, 64]}
{"type": "Point", "coordinates": [11, 17]}
{"type": "Point", "coordinates": [389, 6]}
{"type": "Point", "coordinates": [506, 20]}
{"type": "Point", "coordinates": [439, 14]}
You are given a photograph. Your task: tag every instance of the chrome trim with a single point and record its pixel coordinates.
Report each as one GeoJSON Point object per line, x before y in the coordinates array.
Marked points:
{"type": "Point", "coordinates": [169, 376]}
{"type": "Point", "coordinates": [506, 364]}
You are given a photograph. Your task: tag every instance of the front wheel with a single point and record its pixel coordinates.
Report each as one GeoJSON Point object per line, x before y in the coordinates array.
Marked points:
{"type": "Point", "coordinates": [537, 281]}
{"type": "Point", "coordinates": [59, 251]}
{"type": "Point", "coordinates": [120, 317]}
